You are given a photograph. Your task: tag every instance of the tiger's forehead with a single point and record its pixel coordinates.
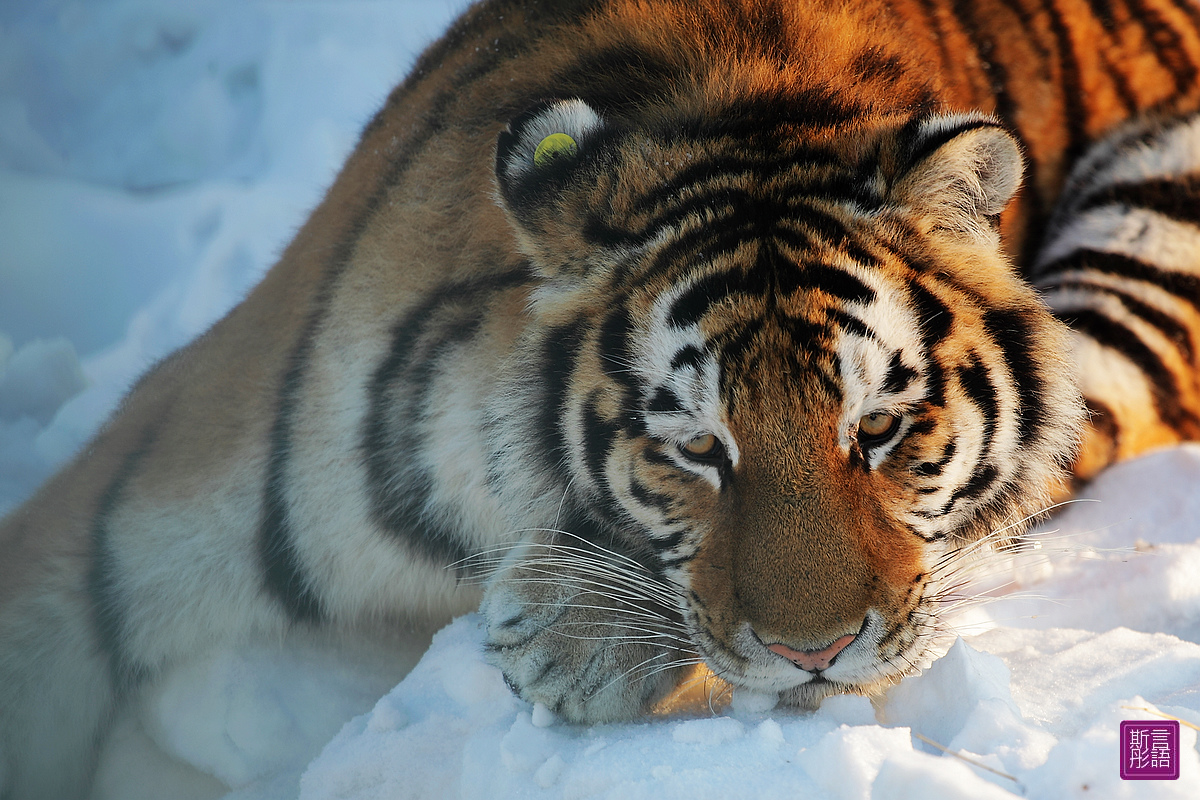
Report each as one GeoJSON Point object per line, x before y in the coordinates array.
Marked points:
{"type": "Point", "coordinates": [658, 183]}
{"type": "Point", "coordinates": [730, 282]}
{"type": "Point", "coordinates": [767, 312]}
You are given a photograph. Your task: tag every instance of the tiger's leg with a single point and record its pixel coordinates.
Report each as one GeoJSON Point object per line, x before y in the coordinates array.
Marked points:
{"type": "Point", "coordinates": [1121, 266]}
{"type": "Point", "coordinates": [587, 632]}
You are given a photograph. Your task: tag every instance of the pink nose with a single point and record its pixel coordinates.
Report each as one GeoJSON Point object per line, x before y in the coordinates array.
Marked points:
{"type": "Point", "coordinates": [812, 659]}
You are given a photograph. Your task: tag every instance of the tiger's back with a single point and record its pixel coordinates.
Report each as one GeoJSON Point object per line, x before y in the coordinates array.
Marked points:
{"type": "Point", "coordinates": [322, 454]}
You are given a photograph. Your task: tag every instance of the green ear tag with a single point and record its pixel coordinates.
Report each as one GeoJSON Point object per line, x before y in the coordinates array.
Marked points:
{"type": "Point", "coordinates": [554, 146]}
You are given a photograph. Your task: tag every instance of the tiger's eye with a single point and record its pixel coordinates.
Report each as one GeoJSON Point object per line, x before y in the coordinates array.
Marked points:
{"type": "Point", "coordinates": [877, 427]}
{"type": "Point", "coordinates": [706, 446]}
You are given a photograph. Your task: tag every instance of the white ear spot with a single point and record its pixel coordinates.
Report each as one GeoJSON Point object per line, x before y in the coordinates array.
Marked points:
{"type": "Point", "coordinates": [553, 134]}
{"type": "Point", "coordinates": [971, 172]}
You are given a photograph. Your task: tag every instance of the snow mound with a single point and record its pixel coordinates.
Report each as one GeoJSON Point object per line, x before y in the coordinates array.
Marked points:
{"type": "Point", "coordinates": [453, 729]}
{"type": "Point", "coordinates": [1030, 706]}
{"type": "Point", "coordinates": [37, 379]}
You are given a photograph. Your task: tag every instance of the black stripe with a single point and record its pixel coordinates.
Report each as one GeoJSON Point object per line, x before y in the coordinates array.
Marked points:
{"type": "Point", "coordinates": [690, 306]}
{"type": "Point", "coordinates": [400, 395]}
{"type": "Point", "coordinates": [1104, 423]}
{"type": "Point", "coordinates": [898, 376]}
{"type": "Point", "coordinates": [933, 316]}
{"type": "Point", "coordinates": [1030, 28]}
{"type": "Point", "coordinates": [920, 428]}
{"type": "Point", "coordinates": [670, 542]}
{"type": "Point", "coordinates": [977, 382]}
{"type": "Point", "coordinates": [103, 580]}
{"type": "Point", "coordinates": [685, 252]}
{"type": "Point", "coordinates": [400, 487]}
{"type": "Point", "coordinates": [729, 207]}
{"type": "Point", "coordinates": [808, 337]}
{"type": "Point", "coordinates": [1070, 85]}
{"type": "Point", "coordinates": [1012, 331]}
{"type": "Point", "coordinates": [615, 355]}
{"type": "Point", "coordinates": [284, 576]}
{"type": "Point", "coordinates": [1183, 285]}
{"type": "Point", "coordinates": [650, 498]}
{"type": "Point", "coordinates": [1169, 47]}
{"type": "Point", "coordinates": [1177, 198]}
{"type": "Point", "coordinates": [736, 343]}
{"type": "Point", "coordinates": [753, 168]}
{"type": "Point", "coordinates": [934, 468]}
{"type": "Point", "coordinates": [935, 383]}
{"type": "Point", "coordinates": [925, 142]}
{"type": "Point", "coordinates": [1114, 335]}
{"type": "Point", "coordinates": [743, 208]}
{"type": "Point", "coordinates": [980, 482]}
{"type": "Point", "coordinates": [933, 24]}
{"type": "Point", "coordinates": [772, 274]}
{"type": "Point", "coordinates": [617, 358]}
{"type": "Point", "coordinates": [1115, 147]}
{"type": "Point", "coordinates": [1103, 11]}
{"type": "Point", "coordinates": [651, 454]}
{"type": "Point", "coordinates": [1190, 10]}
{"type": "Point", "coordinates": [831, 229]}
{"type": "Point", "coordinates": [848, 322]}
{"type": "Point", "coordinates": [772, 113]}
{"type": "Point", "coordinates": [619, 78]}
{"type": "Point", "coordinates": [1121, 85]}
{"type": "Point", "coordinates": [964, 11]}
{"type": "Point", "coordinates": [560, 352]}
{"type": "Point", "coordinates": [873, 63]}
{"type": "Point", "coordinates": [691, 356]}
{"type": "Point", "coordinates": [1172, 329]}
{"type": "Point", "coordinates": [598, 437]}
{"type": "Point", "coordinates": [673, 563]}
{"type": "Point", "coordinates": [935, 321]}
{"type": "Point", "coordinates": [837, 282]}
{"type": "Point", "coordinates": [753, 226]}
{"type": "Point", "coordinates": [664, 401]}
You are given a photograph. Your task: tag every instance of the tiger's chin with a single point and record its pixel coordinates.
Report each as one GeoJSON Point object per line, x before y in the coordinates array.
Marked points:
{"type": "Point", "coordinates": [861, 669]}
{"type": "Point", "coordinates": [812, 689]}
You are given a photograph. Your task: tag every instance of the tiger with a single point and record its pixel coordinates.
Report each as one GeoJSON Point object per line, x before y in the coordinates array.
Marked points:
{"type": "Point", "coordinates": [658, 332]}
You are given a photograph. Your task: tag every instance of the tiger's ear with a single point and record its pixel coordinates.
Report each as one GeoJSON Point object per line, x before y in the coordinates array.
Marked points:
{"type": "Point", "coordinates": [545, 166]}
{"type": "Point", "coordinates": [959, 169]}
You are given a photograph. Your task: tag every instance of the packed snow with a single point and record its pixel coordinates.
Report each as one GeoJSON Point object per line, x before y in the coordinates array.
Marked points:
{"type": "Point", "coordinates": [155, 157]}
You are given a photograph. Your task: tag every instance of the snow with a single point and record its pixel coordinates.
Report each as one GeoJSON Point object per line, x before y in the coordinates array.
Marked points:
{"type": "Point", "coordinates": [155, 157]}
{"type": "Point", "coordinates": [1040, 706]}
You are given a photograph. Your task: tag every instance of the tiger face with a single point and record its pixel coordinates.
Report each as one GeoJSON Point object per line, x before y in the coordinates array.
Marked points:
{"type": "Point", "coordinates": [800, 378]}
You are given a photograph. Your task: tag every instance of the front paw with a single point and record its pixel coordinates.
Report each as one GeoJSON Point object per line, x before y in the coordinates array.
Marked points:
{"type": "Point", "coordinates": [592, 653]}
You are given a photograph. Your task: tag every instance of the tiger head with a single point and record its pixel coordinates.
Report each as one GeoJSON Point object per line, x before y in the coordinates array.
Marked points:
{"type": "Point", "coordinates": [787, 368]}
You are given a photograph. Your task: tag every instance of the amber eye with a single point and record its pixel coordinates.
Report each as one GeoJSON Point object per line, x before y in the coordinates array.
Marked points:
{"type": "Point", "coordinates": [702, 448]}
{"type": "Point", "coordinates": [877, 428]}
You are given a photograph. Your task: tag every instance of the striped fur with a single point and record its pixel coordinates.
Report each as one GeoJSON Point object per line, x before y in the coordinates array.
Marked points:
{"type": "Point", "coordinates": [740, 377]}
{"type": "Point", "coordinates": [1121, 266]}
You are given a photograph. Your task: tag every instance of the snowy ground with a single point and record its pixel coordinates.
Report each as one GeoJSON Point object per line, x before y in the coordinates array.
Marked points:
{"type": "Point", "coordinates": [154, 157]}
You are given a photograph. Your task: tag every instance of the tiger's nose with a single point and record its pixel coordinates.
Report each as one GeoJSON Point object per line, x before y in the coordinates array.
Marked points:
{"type": "Point", "coordinates": [812, 660]}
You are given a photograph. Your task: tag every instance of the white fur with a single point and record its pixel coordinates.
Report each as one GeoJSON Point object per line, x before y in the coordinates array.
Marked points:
{"type": "Point", "coordinates": [1135, 232]}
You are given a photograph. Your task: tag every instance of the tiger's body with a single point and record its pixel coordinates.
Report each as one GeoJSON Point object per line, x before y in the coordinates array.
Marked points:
{"type": "Point", "coordinates": [733, 374]}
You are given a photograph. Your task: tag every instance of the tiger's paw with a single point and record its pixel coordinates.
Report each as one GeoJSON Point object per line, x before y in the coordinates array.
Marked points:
{"type": "Point", "coordinates": [588, 654]}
